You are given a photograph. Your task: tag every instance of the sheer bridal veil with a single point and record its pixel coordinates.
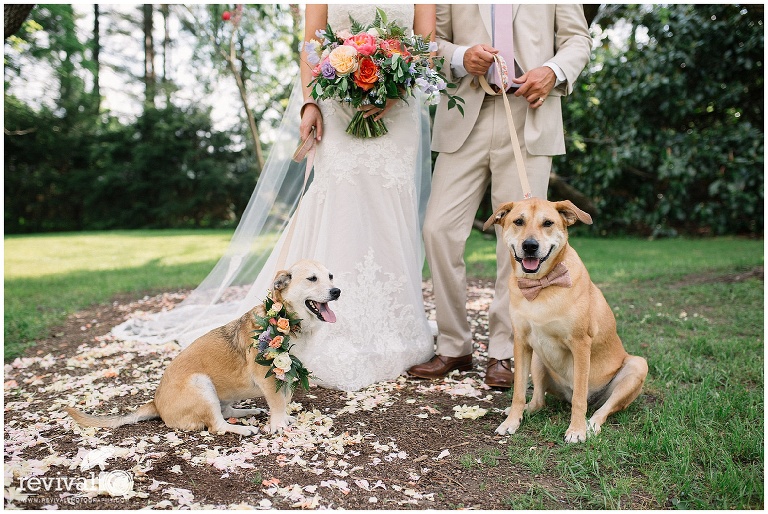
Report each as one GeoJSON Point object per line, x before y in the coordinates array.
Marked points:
{"type": "Point", "coordinates": [240, 279]}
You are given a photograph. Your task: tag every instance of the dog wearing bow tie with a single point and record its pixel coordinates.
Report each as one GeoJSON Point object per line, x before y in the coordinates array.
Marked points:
{"type": "Point", "coordinates": [565, 332]}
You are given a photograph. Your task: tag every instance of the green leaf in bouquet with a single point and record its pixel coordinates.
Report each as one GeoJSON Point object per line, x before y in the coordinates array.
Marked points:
{"type": "Point", "coordinates": [330, 34]}
{"type": "Point", "coordinates": [380, 20]}
{"type": "Point", "coordinates": [263, 362]}
{"type": "Point", "coordinates": [355, 26]}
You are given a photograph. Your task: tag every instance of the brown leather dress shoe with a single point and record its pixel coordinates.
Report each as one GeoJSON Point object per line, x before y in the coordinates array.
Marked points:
{"type": "Point", "coordinates": [499, 373]}
{"type": "Point", "coordinates": [439, 366]}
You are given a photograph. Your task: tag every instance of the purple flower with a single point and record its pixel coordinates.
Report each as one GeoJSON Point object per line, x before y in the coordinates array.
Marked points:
{"type": "Point", "coordinates": [264, 340]}
{"type": "Point", "coordinates": [327, 70]}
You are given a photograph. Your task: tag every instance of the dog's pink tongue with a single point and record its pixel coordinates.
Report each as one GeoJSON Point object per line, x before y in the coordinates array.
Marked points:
{"type": "Point", "coordinates": [530, 264]}
{"type": "Point", "coordinates": [326, 313]}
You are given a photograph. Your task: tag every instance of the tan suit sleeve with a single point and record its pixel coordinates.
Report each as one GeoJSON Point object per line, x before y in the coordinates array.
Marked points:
{"type": "Point", "coordinates": [444, 38]}
{"type": "Point", "coordinates": [573, 44]}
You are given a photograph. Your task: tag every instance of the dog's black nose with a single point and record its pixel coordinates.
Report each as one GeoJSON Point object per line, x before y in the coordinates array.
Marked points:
{"type": "Point", "coordinates": [530, 246]}
{"type": "Point", "coordinates": [335, 292]}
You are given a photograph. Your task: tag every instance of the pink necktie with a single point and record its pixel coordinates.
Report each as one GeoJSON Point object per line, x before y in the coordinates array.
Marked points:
{"type": "Point", "coordinates": [502, 39]}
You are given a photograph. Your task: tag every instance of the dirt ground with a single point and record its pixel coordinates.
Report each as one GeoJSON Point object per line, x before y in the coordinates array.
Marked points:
{"type": "Point", "coordinates": [401, 444]}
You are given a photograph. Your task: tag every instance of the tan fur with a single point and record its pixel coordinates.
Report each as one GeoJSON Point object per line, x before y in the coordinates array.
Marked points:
{"type": "Point", "coordinates": [218, 369]}
{"type": "Point", "coordinates": [566, 337]}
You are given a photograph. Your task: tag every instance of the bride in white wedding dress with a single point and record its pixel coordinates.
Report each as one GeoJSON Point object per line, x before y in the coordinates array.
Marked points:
{"type": "Point", "coordinates": [360, 217]}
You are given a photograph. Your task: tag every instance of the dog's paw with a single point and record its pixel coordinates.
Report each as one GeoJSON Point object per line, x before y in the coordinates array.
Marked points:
{"type": "Point", "coordinates": [593, 428]}
{"type": "Point", "coordinates": [575, 436]}
{"type": "Point", "coordinates": [275, 428]}
{"type": "Point", "coordinates": [242, 430]}
{"type": "Point", "coordinates": [508, 428]}
{"type": "Point", "coordinates": [531, 407]}
{"type": "Point", "coordinates": [277, 425]}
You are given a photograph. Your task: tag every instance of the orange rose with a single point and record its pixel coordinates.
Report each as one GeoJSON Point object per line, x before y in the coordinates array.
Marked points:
{"type": "Point", "coordinates": [367, 74]}
{"type": "Point", "coordinates": [277, 342]}
{"type": "Point", "coordinates": [283, 325]}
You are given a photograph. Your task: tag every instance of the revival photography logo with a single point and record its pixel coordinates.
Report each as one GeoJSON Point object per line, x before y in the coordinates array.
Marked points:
{"type": "Point", "coordinates": [74, 490]}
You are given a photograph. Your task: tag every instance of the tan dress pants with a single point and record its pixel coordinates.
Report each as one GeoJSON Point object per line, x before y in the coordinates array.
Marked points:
{"type": "Point", "coordinates": [459, 182]}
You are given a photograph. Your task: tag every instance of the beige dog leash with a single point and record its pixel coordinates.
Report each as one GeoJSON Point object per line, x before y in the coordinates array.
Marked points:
{"type": "Point", "coordinates": [305, 149]}
{"type": "Point", "coordinates": [501, 69]}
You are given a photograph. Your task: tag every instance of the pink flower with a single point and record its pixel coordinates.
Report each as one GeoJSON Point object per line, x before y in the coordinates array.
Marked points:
{"type": "Point", "coordinates": [364, 43]}
{"type": "Point", "coordinates": [393, 46]}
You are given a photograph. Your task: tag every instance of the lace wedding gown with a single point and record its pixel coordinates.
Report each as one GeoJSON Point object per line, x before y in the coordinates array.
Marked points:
{"type": "Point", "coordinates": [360, 218]}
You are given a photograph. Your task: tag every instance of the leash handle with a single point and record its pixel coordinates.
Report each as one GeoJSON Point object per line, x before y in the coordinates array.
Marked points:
{"type": "Point", "coordinates": [501, 69]}
{"type": "Point", "coordinates": [306, 149]}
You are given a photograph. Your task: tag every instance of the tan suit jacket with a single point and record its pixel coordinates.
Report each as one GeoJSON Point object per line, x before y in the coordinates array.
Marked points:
{"type": "Point", "coordinates": [541, 33]}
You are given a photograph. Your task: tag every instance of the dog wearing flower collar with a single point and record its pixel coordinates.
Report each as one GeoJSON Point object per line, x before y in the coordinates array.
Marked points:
{"type": "Point", "coordinates": [564, 330]}
{"type": "Point", "coordinates": [225, 366]}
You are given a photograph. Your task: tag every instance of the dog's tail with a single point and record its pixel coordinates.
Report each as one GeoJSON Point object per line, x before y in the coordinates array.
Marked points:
{"type": "Point", "coordinates": [146, 411]}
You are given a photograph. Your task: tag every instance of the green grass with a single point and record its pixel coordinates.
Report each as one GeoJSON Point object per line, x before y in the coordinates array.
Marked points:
{"type": "Point", "coordinates": [48, 277]}
{"type": "Point", "coordinates": [693, 440]}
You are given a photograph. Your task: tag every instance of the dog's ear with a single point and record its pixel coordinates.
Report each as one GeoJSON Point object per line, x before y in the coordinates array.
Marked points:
{"type": "Point", "coordinates": [282, 279]}
{"type": "Point", "coordinates": [571, 214]}
{"type": "Point", "coordinates": [497, 216]}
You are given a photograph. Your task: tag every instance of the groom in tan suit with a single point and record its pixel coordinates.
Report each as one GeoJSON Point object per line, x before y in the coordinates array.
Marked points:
{"type": "Point", "coordinates": [549, 45]}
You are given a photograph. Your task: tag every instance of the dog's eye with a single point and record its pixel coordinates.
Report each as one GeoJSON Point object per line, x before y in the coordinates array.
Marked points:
{"type": "Point", "coordinates": [312, 278]}
{"type": "Point", "coordinates": [330, 275]}
{"type": "Point", "coordinates": [519, 222]}
{"type": "Point", "coordinates": [549, 223]}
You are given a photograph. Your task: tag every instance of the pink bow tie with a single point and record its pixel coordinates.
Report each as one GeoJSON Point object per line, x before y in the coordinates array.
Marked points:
{"type": "Point", "coordinates": [559, 276]}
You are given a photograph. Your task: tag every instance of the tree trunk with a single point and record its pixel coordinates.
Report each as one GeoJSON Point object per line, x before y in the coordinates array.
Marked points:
{"type": "Point", "coordinates": [237, 73]}
{"type": "Point", "coordinates": [150, 79]}
{"type": "Point", "coordinates": [563, 190]}
{"type": "Point", "coordinates": [14, 16]}
{"type": "Point", "coordinates": [164, 9]}
{"type": "Point", "coordinates": [248, 113]}
{"type": "Point", "coordinates": [230, 56]}
{"type": "Point", "coordinates": [96, 51]}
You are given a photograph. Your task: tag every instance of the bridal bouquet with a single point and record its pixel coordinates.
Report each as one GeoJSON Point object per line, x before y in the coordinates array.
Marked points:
{"type": "Point", "coordinates": [373, 63]}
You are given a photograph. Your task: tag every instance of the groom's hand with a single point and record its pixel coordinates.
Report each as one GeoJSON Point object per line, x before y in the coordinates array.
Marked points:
{"type": "Point", "coordinates": [478, 58]}
{"type": "Point", "coordinates": [536, 85]}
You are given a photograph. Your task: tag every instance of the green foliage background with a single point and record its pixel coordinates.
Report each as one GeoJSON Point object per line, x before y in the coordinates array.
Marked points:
{"type": "Point", "coordinates": [664, 129]}
{"type": "Point", "coordinates": [667, 133]}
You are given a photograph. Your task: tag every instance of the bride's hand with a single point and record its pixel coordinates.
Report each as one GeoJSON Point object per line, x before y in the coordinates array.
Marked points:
{"type": "Point", "coordinates": [311, 117]}
{"type": "Point", "coordinates": [378, 112]}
